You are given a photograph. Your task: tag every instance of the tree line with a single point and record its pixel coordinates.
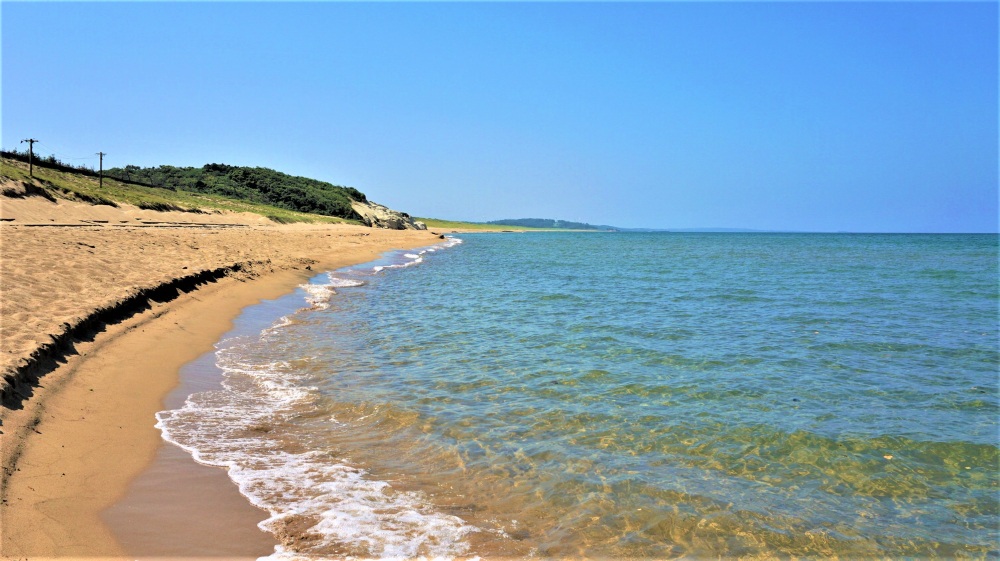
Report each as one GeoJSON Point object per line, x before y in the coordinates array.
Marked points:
{"type": "Point", "coordinates": [548, 223]}
{"type": "Point", "coordinates": [256, 184]}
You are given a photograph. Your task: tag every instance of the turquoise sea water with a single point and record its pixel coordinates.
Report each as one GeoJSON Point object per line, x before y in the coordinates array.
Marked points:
{"type": "Point", "coordinates": [623, 395]}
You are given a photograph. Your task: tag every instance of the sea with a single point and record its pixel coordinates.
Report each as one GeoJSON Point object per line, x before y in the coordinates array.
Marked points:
{"type": "Point", "coordinates": [621, 395]}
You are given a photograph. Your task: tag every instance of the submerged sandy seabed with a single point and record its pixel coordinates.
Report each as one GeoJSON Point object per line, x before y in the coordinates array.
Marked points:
{"type": "Point", "coordinates": [97, 315]}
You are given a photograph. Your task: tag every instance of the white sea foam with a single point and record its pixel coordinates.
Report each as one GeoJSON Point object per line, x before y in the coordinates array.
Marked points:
{"type": "Point", "coordinates": [338, 282]}
{"type": "Point", "coordinates": [318, 295]}
{"type": "Point", "coordinates": [418, 257]}
{"type": "Point", "coordinates": [282, 322]}
{"type": "Point", "coordinates": [380, 268]}
{"type": "Point", "coordinates": [348, 508]}
{"type": "Point", "coordinates": [339, 506]}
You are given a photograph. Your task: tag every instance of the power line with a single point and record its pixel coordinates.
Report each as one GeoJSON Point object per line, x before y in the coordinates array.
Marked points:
{"type": "Point", "coordinates": [62, 153]}
{"type": "Point", "coordinates": [101, 176]}
{"type": "Point", "coordinates": [31, 154]}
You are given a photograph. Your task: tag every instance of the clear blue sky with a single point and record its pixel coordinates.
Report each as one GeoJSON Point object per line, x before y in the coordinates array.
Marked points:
{"type": "Point", "coordinates": [791, 116]}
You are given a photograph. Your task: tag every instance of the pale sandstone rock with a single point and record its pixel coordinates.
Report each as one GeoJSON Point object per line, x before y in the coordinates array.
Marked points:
{"type": "Point", "coordinates": [381, 216]}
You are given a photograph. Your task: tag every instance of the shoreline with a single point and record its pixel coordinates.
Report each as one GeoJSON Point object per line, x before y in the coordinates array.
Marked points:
{"type": "Point", "coordinates": [86, 431]}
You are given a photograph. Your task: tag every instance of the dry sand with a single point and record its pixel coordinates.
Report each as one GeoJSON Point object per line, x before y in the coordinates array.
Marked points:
{"type": "Point", "coordinates": [74, 439]}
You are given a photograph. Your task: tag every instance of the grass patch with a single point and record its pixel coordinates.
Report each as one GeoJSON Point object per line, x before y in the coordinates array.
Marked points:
{"type": "Point", "coordinates": [278, 219]}
{"type": "Point", "coordinates": [92, 198]}
{"type": "Point", "coordinates": [22, 189]}
{"type": "Point", "coordinates": [160, 206]}
{"type": "Point", "coordinates": [77, 186]}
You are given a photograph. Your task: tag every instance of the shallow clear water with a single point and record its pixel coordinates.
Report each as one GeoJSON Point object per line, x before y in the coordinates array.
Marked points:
{"type": "Point", "coordinates": [626, 395]}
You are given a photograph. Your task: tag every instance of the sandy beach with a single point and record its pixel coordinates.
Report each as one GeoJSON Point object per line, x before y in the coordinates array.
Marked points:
{"type": "Point", "coordinates": [97, 317]}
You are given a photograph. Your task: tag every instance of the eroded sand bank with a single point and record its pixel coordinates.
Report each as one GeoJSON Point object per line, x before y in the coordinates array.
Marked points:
{"type": "Point", "coordinates": [76, 437]}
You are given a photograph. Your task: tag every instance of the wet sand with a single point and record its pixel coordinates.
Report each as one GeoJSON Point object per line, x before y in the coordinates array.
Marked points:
{"type": "Point", "coordinates": [78, 438]}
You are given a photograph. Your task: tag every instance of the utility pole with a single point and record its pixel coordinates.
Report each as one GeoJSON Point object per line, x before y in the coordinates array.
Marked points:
{"type": "Point", "coordinates": [101, 177]}
{"type": "Point", "coordinates": [31, 154]}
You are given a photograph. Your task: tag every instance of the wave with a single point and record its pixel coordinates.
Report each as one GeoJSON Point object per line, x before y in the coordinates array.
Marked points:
{"type": "Point", "coordinates": [320, 504]}
{"type": "Point", "coordinates": [418, 257]}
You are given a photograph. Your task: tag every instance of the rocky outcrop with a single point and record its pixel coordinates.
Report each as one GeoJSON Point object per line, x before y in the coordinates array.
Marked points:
{"type": "Point", "coordinates": [380, 216]}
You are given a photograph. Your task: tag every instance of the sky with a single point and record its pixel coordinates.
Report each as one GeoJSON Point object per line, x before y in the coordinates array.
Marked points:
{"type": "Point", "coordinates": [802, 116]}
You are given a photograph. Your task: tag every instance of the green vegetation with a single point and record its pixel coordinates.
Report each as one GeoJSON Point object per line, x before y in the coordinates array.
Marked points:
{"type": "Point", "coordinates": [280, 197]}
{"type": "Point", "coordinates": [69, 183]}
{"type": "Point", "coordinates": [434, 223]}
{"type": "Point", "coordinates": [549, 223]}
{"type": "Point", "coordinates": [516, 224]}
{"type": "Point", "coordinates": [258, 185]}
